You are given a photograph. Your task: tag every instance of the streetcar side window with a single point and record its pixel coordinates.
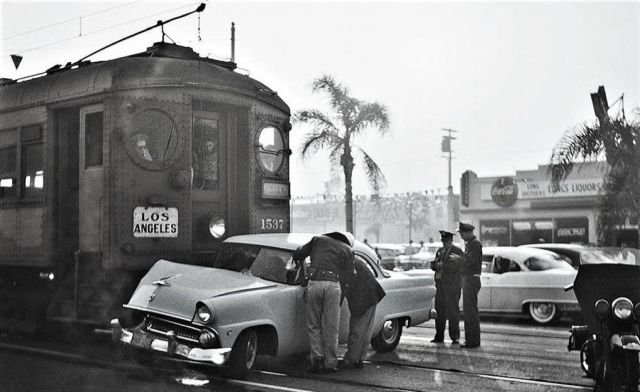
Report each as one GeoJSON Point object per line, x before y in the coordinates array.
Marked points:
{"type": "Point", "coordinates": [32, 161]}
{"type": "Point", "coordinates": [93, 140]}
{"type": "Point", "coordinates": [8, 150]}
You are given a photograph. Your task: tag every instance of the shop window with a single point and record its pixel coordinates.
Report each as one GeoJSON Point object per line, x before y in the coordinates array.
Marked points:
{"type": "Point", "coordinates": [93, 139]}
{"type": "Point", "coordinates": [206, 153]}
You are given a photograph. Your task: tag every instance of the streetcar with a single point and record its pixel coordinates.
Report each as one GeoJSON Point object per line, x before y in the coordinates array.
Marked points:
{"type": "Point", "coordinates": [106, 167]}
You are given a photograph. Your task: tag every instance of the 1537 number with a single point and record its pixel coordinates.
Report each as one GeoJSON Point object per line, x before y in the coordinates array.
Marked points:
{"type": "Point", "coordinates": [272, 223]}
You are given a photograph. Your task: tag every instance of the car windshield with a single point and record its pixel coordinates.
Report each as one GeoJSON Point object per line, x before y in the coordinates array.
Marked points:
{"type": "Point", "coordinates": [276, 265]}
{"type": "Point", "coordinates": [610, 255]}
{"type": "Point", "coordinates": [546, 262]}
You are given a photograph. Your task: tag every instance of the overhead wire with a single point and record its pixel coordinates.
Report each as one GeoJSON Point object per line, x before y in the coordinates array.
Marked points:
{"type": "Point", "coordinates": [68, 20]}
{"type": "Point", "coordinates": [96, 31]}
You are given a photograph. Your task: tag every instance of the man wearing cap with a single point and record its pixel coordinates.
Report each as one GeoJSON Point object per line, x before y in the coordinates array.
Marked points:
{"type": "Point", "coordinates": [471, 267]}
{"type": "Point", "coordinates": [332, 265]}
{"type": "Point", "coordinates": [447, 277]}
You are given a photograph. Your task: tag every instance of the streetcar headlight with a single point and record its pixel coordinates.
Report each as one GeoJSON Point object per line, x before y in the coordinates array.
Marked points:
{"type": "Point", "coordinates": [204, 314]}
{"type": "Point", "coordinates": [622, 308]}
{"type": "Point", "coordinates": [217, 226]}
{"type": "Point", "coordinates": [602, 308]}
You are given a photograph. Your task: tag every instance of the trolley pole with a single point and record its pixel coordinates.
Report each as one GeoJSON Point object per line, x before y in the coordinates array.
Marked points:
{"type": "Point", "coordinates": [446, 147]}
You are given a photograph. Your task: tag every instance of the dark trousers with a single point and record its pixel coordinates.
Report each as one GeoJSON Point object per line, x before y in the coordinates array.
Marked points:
{"type": "Point", "coordinates": [448, 308]}
{"type": "Point", "coordinates": [470, 288]}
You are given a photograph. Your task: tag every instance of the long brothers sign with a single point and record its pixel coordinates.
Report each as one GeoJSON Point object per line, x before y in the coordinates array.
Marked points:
{"type": "Point", "coordinates": [543, 189]}
{"type": "Point", "coordinates": [155, 222]}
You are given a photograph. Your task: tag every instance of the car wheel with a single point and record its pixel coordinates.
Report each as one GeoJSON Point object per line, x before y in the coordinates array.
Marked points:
{"type": "Point", "coordinates": [543, 312]}
{"type": "Point", "coordinates": [243, 353]}
{"type": "Point", "coordinates": [389, 336]}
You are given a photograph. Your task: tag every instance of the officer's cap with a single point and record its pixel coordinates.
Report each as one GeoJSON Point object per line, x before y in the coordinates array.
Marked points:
{"type": "Point", "coordinates": [445, 234]}
{"type": "Point", "coordinates": [465, 227]}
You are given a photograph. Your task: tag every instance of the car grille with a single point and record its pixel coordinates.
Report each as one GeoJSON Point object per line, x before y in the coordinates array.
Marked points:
{"type": "Point", "coordinates": [163, 326]}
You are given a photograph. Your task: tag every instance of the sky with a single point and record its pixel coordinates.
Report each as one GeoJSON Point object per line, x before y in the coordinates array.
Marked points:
{"type": "Point", "coordinates": [512, 77]}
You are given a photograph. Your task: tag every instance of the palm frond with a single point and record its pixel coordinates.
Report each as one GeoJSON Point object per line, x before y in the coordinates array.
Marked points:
{"type": "Point", "coordinates": [317, 119]}
{"type": "Point", "coordinates": [374, 174]}
{"type": "Point", "coordinates": [371, 114]}
{"type": "Point", "coordinates": [318, 140]}
{"type": "Point", "coordinates": [584, 143]}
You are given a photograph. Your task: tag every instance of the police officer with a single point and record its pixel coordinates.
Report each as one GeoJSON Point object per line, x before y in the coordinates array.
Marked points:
{"type": "Point", "coordinates": [471, 267]}
{"type": "Point", "coordinates": [332, 263]}
{"type": "Point", "coordinates": [447, 277]}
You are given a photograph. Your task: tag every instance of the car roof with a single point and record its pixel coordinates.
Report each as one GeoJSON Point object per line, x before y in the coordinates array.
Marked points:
{"type": "Point", "coordinates": [516, 252]}
{"type": "Point", "coordinates": [289, 241]}
{"type": "Point", "coordinates": [555, 246]}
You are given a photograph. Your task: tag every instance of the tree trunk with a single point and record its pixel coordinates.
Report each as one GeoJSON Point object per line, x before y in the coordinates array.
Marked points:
{"type": "Point", "coordinates": [347, 165]}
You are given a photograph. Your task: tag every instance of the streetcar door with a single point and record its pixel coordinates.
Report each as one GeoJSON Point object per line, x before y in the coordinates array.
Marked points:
{"type": "Point", "coordinates": [211, 124]}
{"type": "Point", "coordinates": [90, 192]}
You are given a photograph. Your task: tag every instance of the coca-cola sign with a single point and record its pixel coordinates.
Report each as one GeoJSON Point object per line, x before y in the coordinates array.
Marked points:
{"type": "Point", "coordinates": [504, 192]}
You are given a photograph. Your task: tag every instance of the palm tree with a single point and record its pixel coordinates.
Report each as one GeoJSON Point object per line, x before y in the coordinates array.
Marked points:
{"type": "Point", "coordinates": [351, 118]}
{"type": "Point", "coordinates": [617, 141]}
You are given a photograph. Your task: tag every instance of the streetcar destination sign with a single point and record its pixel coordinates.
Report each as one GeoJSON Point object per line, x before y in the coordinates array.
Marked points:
{"type": "Point", "coordinates": [155, 222]}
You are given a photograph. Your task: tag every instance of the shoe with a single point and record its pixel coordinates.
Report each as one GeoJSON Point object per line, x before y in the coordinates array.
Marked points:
{"type": "Point", "coordinates": [436, 340]}
{"type": "Point", "coordinates": [455, 341]}
{"type": "Point", "coordinates": [466, 345]}
{"type": "Point", "coordinates": [345, 365]}
{"type": "Point", "coordinates": [317, 367]}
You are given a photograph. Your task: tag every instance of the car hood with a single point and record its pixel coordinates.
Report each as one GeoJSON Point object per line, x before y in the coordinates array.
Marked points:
{"type": "Point", "coordinates": [174, 289]}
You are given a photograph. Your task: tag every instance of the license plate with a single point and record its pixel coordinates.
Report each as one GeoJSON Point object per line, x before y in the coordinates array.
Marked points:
{"type": "Point", "coordinates": [141, 339]}
{"type": "Point", "coordinates": [155, 222]}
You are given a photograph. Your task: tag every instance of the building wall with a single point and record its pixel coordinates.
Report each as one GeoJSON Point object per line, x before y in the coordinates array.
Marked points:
{"type": "Point", "coordinates": [525, 208]}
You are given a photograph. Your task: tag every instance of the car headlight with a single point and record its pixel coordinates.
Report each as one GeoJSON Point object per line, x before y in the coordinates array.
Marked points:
{"type": "Point", "coordinates": [204, 314]}
{"type": "Point", "coordinates": [217, 226]}
{"type": "Point", "coordinates": [602, 308]}
{"type": "Point", "coordinates": [622, 308]}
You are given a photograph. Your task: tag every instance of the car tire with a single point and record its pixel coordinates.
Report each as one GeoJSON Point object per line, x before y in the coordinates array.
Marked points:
{"type": "Point", "coordinates": [389, 336]}
{"type": "Point", "coordinates": [243, 354]}
{"type": "Point", "coordinates": [543, 312]}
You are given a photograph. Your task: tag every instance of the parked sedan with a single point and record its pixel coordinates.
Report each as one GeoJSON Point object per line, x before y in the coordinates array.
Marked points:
{"type": "Point", "coordinates": [388, 254]}
{"type": "Point", "coordinates": [251, 302]}
{"type": "Point", "coordinates": [580, 254]}
{"type": "Point", "coordinates": [523, 280]}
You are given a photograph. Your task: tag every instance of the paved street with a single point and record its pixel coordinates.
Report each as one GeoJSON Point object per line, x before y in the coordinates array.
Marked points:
{"type": "Point", "coordinates": [516, 355]}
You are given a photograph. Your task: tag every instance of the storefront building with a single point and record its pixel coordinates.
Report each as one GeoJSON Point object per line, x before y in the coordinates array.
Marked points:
{"type": "Point", "coordinates": [525, 208]}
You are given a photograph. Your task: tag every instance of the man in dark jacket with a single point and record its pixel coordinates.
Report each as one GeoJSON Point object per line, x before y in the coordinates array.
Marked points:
{"type": "Point", "coordinates": [471, 267]}
{"type": "Point", "coordinates": [363, 294]}
{"type": "Point", "coordinates": [331, 266]}
{"type": "Point", "coordinates": [447, 278]}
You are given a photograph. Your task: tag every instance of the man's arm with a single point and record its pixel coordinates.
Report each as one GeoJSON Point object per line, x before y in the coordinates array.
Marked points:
{"type": "Point", "coordinates": [304, 251]}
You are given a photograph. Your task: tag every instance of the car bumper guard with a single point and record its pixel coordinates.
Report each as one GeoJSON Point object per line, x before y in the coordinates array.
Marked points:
{"type": "Point", "coordinates": [141, 339]}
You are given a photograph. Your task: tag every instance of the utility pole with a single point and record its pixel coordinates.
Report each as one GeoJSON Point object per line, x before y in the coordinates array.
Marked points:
{"type": "Point", "coordinates": [446, 147]}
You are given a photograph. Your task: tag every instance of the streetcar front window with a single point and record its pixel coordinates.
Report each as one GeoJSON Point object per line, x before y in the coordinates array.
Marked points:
{"type": "Point", "coordinates": [206, 152]}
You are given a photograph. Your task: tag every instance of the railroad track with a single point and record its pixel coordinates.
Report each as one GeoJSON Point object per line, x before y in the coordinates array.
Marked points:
{"type": "Point", "coordinates": [300, 381]}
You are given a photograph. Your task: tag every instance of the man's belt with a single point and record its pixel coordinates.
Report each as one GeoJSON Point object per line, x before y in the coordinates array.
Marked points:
{"type": "Point", "coordinates": [324, 274]}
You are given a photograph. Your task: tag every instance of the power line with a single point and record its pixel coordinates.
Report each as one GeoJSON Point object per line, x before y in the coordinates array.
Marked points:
{"type": "Point", "coordinates": [96, 31]}
{"type": "Point", "coordinates": [68, 20]}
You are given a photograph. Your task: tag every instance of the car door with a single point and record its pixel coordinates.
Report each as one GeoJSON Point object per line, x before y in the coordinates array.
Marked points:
{"type": "Point", "coordinates": [506, 285]}
{"type": "Point", "coordinates": [486, 279]}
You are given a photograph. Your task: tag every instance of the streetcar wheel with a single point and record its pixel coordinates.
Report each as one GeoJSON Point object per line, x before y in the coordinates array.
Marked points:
{"type": "Point", "coordinates": [543, 312]}
{"type": "Point", "coordinates": [623, 375]}
{"type": "Point", "coordinates": [389, 336]}
{"type": "Point", "coordinates": [243, 354]}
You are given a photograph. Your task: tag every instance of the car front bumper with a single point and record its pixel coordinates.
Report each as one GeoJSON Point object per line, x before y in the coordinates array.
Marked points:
{"type": "Point", "coordinates": [138, 338]}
